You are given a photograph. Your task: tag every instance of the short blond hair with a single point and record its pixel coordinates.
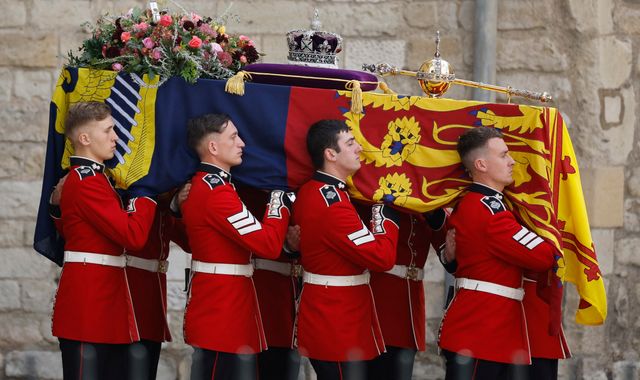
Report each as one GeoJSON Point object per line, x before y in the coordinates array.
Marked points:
{"type": "Point", "coordinates": [82, 113]}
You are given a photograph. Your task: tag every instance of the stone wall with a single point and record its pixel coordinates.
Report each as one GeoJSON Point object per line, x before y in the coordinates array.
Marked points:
{"type": "Point", "coordinates": [585, 52]}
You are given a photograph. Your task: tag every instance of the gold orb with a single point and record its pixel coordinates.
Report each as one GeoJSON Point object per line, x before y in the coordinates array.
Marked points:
{"type": "Point", "coordinates": [436, 66]}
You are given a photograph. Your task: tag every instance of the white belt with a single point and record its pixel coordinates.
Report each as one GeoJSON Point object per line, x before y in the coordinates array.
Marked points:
{"type": "Point", "coordinates": [321, 279]}
{"type": "Point", "coordinates": [403, 271]}
{"type": "Point", "coordinates": [490, 287]}
{"type": "Point", "coordinates": [94, 258]}
{"type": "Point", "coordinates": [285, 269]}
{"type": "Point", "coordinates": [218, 268]}
{"type": "Point", "coordinates": [155, 266]}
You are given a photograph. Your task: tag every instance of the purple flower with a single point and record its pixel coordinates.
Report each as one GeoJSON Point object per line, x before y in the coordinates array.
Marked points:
{"type": "Point", "coordinates": [156, 53]}
{"type": "Point", "coordinates": [216, 48]}
{"type": "Point", "coordinates": [116, 66]}
{"type": "Point", "coordinates": [148, 43]}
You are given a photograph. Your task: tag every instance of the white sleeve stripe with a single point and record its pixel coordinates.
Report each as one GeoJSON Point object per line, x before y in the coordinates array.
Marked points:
{"type": "Point", "coordinates": [244, 222]}
{"type": "Point", "coordinates": [535, 243]}
{"type": "Point", "coordinates": [530, 236]}
{"type": "Point", "coordinates": [251, 228]}
{"type": "Point", "coordinates": [364, 239]}
{"type": "Point", "coordinates": [520, 233]}
{"type": "Point", "coordinates": [241, 215]}
{"type": "Point", "coordinates": [360, 233]}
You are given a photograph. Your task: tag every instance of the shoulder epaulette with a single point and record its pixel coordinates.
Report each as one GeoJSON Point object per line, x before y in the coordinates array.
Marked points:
{"type": "Point", "coordinates": [330, 194]}
{"type": "Point", "coordinates": [213, 180]}
{"type": "Point", "coordinates": [84, 172]}
{"type": "Point", "coordinates": [493, 203]}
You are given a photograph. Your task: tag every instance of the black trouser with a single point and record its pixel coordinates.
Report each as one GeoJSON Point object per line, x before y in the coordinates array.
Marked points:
{"type": "Point", "coordinates": [325, 370]}
{"type": "Point", "coordinates": [460, 367]}
{"type": "Point", "coordinates": [216, 365]}
{"type": "Point", "coordinates": [278, 363]}
{"type": "Point", "coordinates": [143, 360]}
{"type": "Point", "coordinates": [543, 369]}
{"type": "Point", "coordinates": [93, 361]}
{"type": "Point", "coordinates": [395, 364]}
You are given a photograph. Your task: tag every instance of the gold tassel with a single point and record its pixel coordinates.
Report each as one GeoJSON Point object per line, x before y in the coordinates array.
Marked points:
{"type": "Point", "coordinates": [383, 86]}
{"type": "Point", "coordinates": [235, 84]}
{"type": "Point", "coordinates": [356, 96]}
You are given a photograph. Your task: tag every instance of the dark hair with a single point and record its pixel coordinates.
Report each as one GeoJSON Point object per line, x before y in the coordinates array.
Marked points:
{"type": "Point", "coordinates": [82, 113]}
{"type": "Point", "coordinates": [199, 127]}
{"type": "Point", "coordinates": [322, 135]}
{"type": "Point", "coordinates": [474, 139]}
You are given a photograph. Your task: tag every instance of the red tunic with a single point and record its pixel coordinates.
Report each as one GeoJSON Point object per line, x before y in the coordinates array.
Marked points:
{"type": "Point", "coordinates": [338, 323]}
{"type": "Point", "coordinates": [399, 301]}
{"type": "Point", "coordinates": [276, 292]}
{"type": "Point", "coordinates": [93, 303]}
{"type": "Point", "coordinates": [222, 311]}
{"type": "Point", "coordinates": [149, 289]}
{"type": "Point", "coordinates": [536, 310]}
{"type": "Point", "coordinates": [491, 246]}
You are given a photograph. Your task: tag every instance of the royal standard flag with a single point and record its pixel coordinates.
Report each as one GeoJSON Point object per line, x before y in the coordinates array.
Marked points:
{"type": "Point", "coordinates": [409, 156]}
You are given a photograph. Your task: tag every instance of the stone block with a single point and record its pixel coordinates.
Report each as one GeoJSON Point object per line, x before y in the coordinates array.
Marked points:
{"type": "Point", "coordinates": [627, 251]}
{"type": "Point", "coordinates": [615, 61]}
{"type": "Point", "coordinates": [24, 120]}
{"type": "Point", "coordinates": [29, 231]}
{"type": "Point", "coordinates": [41, 51]}
{"type": "Point", "coordinates": [37, 295]}
{"type": "Point", "coordinates": [362, 19]}
{"type": "Point", "coordinates": [30, 364]}
{"type": "Point", "coordinates": [422, 49]}
{"type": "Point", "coordinates": [434, 293]}
{"type": "Point", "coordinates": [603, 240]}
{"type": "Point", "coordinates": [625, 370]}
{"type": "Point", "coordinates": [633, 182]}
{"type": "Point", "coordinates": [23, 161]}
{"type": "Point", "coordinates": [33, 84]}
{"type": "Point", "coordinates": [64, 16]}
{"type": "Point", "coordinates": [178, 260]}
{"type": "Point", "coordinates": [466, 14]}
{"type": "Point", "coordinates": [530, 53]}
{"type": "Point", "coordinates": [558, 85]}
{"type": "Point", "coordinates": [9, 295]}
{"type": "Point", "coordinates": [422, 15]}
{"type": "Point", "coordinates": [176, 297]}
{"type": "Point", "coordinates": [21, 198]}
{"type": "Point", "coordinates": [11, 233]}
{"type": "Point", "coordinates": [625, 18]}
{"type": "Point", "coordinates": [592, 369]}
{"type": "Point", "coordinates": [276, 49]}
{"type": "Point", "coordinates": [604, 193]}
{"type": "Point", "coordinates": [358, 52]}
{"type": "Point", "coordinates": [592, 16]}
{"type": "Point", "coordinates": [632, 215]}
{"type": "Point", "coordinates": [25, 263]}
{"type": "Point", "coordinates": [527, 14]}
{"type": "Point", "coordinates": [167, 369]}
{"type": "Point", "coordinates": [14, 13]}
{"type": "Point", "coordinates": [265, 17]}
{"type": "Point", "coordinates": [6, 82]}
{"type": "Point", "coordinates": [19, 329]}
{"type": "Point", "coordinates": [617, 143]}
{"type": "Point", "coordinates": [433, 270]}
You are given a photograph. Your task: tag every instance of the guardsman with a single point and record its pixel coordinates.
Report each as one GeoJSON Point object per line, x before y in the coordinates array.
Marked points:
{"type": "Point", "coordinates": [277, 284]}
{"type": "Point", "coordinates": [337, 325]}
{"type": "Point", "coordinates": [399, 294]}
{"type": "Point", "coordinates": [93, 316]}
{"type": "Point", "coordinates": [146, 272]}
{"type": "Point", "coordinates": [483, 333]}
{"type": "Point", "coordinates": [222, 319]}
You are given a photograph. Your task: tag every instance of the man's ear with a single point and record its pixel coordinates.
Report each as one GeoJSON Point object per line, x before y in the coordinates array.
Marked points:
{"type": "Point", "coordinates": [480, 164]}
{"type": "Point", "coordinates": [330, 155]}
{"type": "Point", "coordinates": [83, 139]}
{"type": "Point", "coordinates": [212, 147]}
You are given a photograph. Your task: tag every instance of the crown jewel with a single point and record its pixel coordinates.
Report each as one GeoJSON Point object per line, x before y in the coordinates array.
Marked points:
{"type": "Point", "coordinates": [314, 47]}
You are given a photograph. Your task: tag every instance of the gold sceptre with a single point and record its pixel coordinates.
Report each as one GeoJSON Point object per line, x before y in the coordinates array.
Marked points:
{"type": "Point", "coordinates": [436, 76]}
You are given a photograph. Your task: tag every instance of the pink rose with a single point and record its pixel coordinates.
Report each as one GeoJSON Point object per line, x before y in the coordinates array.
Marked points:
{"type": "Point", "coordinates": [142, 27]}
{"type": "Point", "coordinates": [225, 58]}
{"type": "Point", "coordinates": [246, 40]}
{"type": "Point", "coordinates": [243, 59]}
{"type": "Point", "coordinates": [148, 43]}
{"type": "Point", "coordinates": [195, 42]}
{"type": "Point", "coordinates": [156, 53]}
{"type": "Point", "coordinates": [116, 66]}
{"type": "Point", "coordinates": [125, 36]}
{"type": "Point", "coordinates": [216, 48]}
{"type": "Point", "coordinates": [165, 20]}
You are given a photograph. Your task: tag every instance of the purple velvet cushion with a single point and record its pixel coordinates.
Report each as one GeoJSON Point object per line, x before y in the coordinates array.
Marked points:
{"type": "Point", "coordinates": [335, 79]}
